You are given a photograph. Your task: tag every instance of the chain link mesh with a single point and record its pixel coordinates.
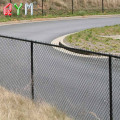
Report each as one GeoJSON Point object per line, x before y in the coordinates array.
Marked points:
{"type": "Point", "coordinates": [15, 66]}
{"type": "Point", "coordinates": [76, 84]}
{"type": "Point", "coordinates": [79, 86]}
{"type": "Point", "coordinates": [116, 88]}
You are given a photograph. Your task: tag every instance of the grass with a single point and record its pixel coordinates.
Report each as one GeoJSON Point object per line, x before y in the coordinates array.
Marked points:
{"type": "Point", "coordinates": [67, 3]}
{"type": "Point", "coordinates": [55, 15]}
{"type": "Point", "coordinates": [91, 39]}
{"type": "Point", "coordinates": [62, 8]}
{"type": "Point", "coordinates": [17, 107]}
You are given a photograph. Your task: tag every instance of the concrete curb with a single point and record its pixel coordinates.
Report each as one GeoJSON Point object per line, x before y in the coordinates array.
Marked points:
{"type": "Point", "coordinates": [62, 44]}
{"type": "Point", "coordinates": [59, 41]}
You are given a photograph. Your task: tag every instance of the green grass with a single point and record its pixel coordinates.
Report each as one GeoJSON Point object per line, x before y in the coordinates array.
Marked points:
{"type": "Point", "coordinates": [91, 39]}
{"type": "Point", "coordinates": [54, 14]}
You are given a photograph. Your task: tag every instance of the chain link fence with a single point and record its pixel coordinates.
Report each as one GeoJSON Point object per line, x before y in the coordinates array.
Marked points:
{"type": "Point", "coordinates": [85, 87]}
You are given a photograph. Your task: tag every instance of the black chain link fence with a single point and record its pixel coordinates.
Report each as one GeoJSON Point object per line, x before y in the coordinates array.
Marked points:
{"type": "Point", "coordinates": [116, 88]}
{"type": "Point", "coordinates": [86, 87]}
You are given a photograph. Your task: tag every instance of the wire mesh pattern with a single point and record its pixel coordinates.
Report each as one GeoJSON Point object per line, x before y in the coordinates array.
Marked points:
{"type": "Point", "coordinates": [78, 85]}
{"type": "Point", "coordinates": [116, 88]}
{"type": "Point", "coordinates": [68, 83]}
{"type": "Point", "coordinates": [15, 66]}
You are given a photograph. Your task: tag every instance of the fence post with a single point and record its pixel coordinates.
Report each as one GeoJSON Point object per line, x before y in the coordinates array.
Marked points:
{"type": "Point", "coordinates": [102, 6]}
{"type": "Point", "coordinates": [42, 8]}
{"type": "Point", "coordinates": [32, 79]}
{"type": "Point", "coordinates": [110, 87]}
{"type": "Point", "coordinates": [72, 7]}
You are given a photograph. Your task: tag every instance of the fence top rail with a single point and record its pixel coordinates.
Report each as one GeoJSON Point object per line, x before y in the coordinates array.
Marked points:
{"type": "Point", "coordinates": [48, 44]}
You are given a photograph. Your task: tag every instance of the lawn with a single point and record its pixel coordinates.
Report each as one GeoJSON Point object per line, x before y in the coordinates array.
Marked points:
{"type": "Point", "coordinates": [92, 39]}
{"type": "Point", "coordinates": [54, 14]}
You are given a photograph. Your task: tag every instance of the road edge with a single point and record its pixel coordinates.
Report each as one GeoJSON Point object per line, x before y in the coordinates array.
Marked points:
{"type": "Point", "coordinates": [56, 19]}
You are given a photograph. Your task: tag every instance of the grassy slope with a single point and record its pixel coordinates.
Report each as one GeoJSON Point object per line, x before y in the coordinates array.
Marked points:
{"type": "Point", "coordinates": [90, 39]}
{"type": "Point", "coordinates": [67, 3]}
{"type": "Point", "coordinates": [16, 107]}
{"type": "Point", "coordinates": [62, 8]}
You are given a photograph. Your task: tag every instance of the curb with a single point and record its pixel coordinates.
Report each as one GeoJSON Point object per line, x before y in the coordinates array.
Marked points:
{"type": "Point", "coordinates": [59, 41]}
{"type": "Point", "coordinates": [67, 48]}
{"type": "Point", "coordinates": [62, 44]}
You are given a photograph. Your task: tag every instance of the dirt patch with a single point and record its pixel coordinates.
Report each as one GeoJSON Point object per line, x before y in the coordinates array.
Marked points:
{"type": "Point", "coordinates": [112, 36]}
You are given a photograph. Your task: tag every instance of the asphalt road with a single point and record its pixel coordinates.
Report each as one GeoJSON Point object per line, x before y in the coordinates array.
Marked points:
{"type": "Point", "coordinates": [78, 86]}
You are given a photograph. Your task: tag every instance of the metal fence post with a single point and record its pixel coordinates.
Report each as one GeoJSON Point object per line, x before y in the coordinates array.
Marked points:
{"type": "Point", "coordinates": [32, 79]}
{"type": "Point", "coordinates": [42, 8]}
{"type": "Point", "coordinates": [110, 87]}
{"type": "Point", "coordinates": [72, 7]}
{"type": "Point", "coordinates": [102, 6]}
